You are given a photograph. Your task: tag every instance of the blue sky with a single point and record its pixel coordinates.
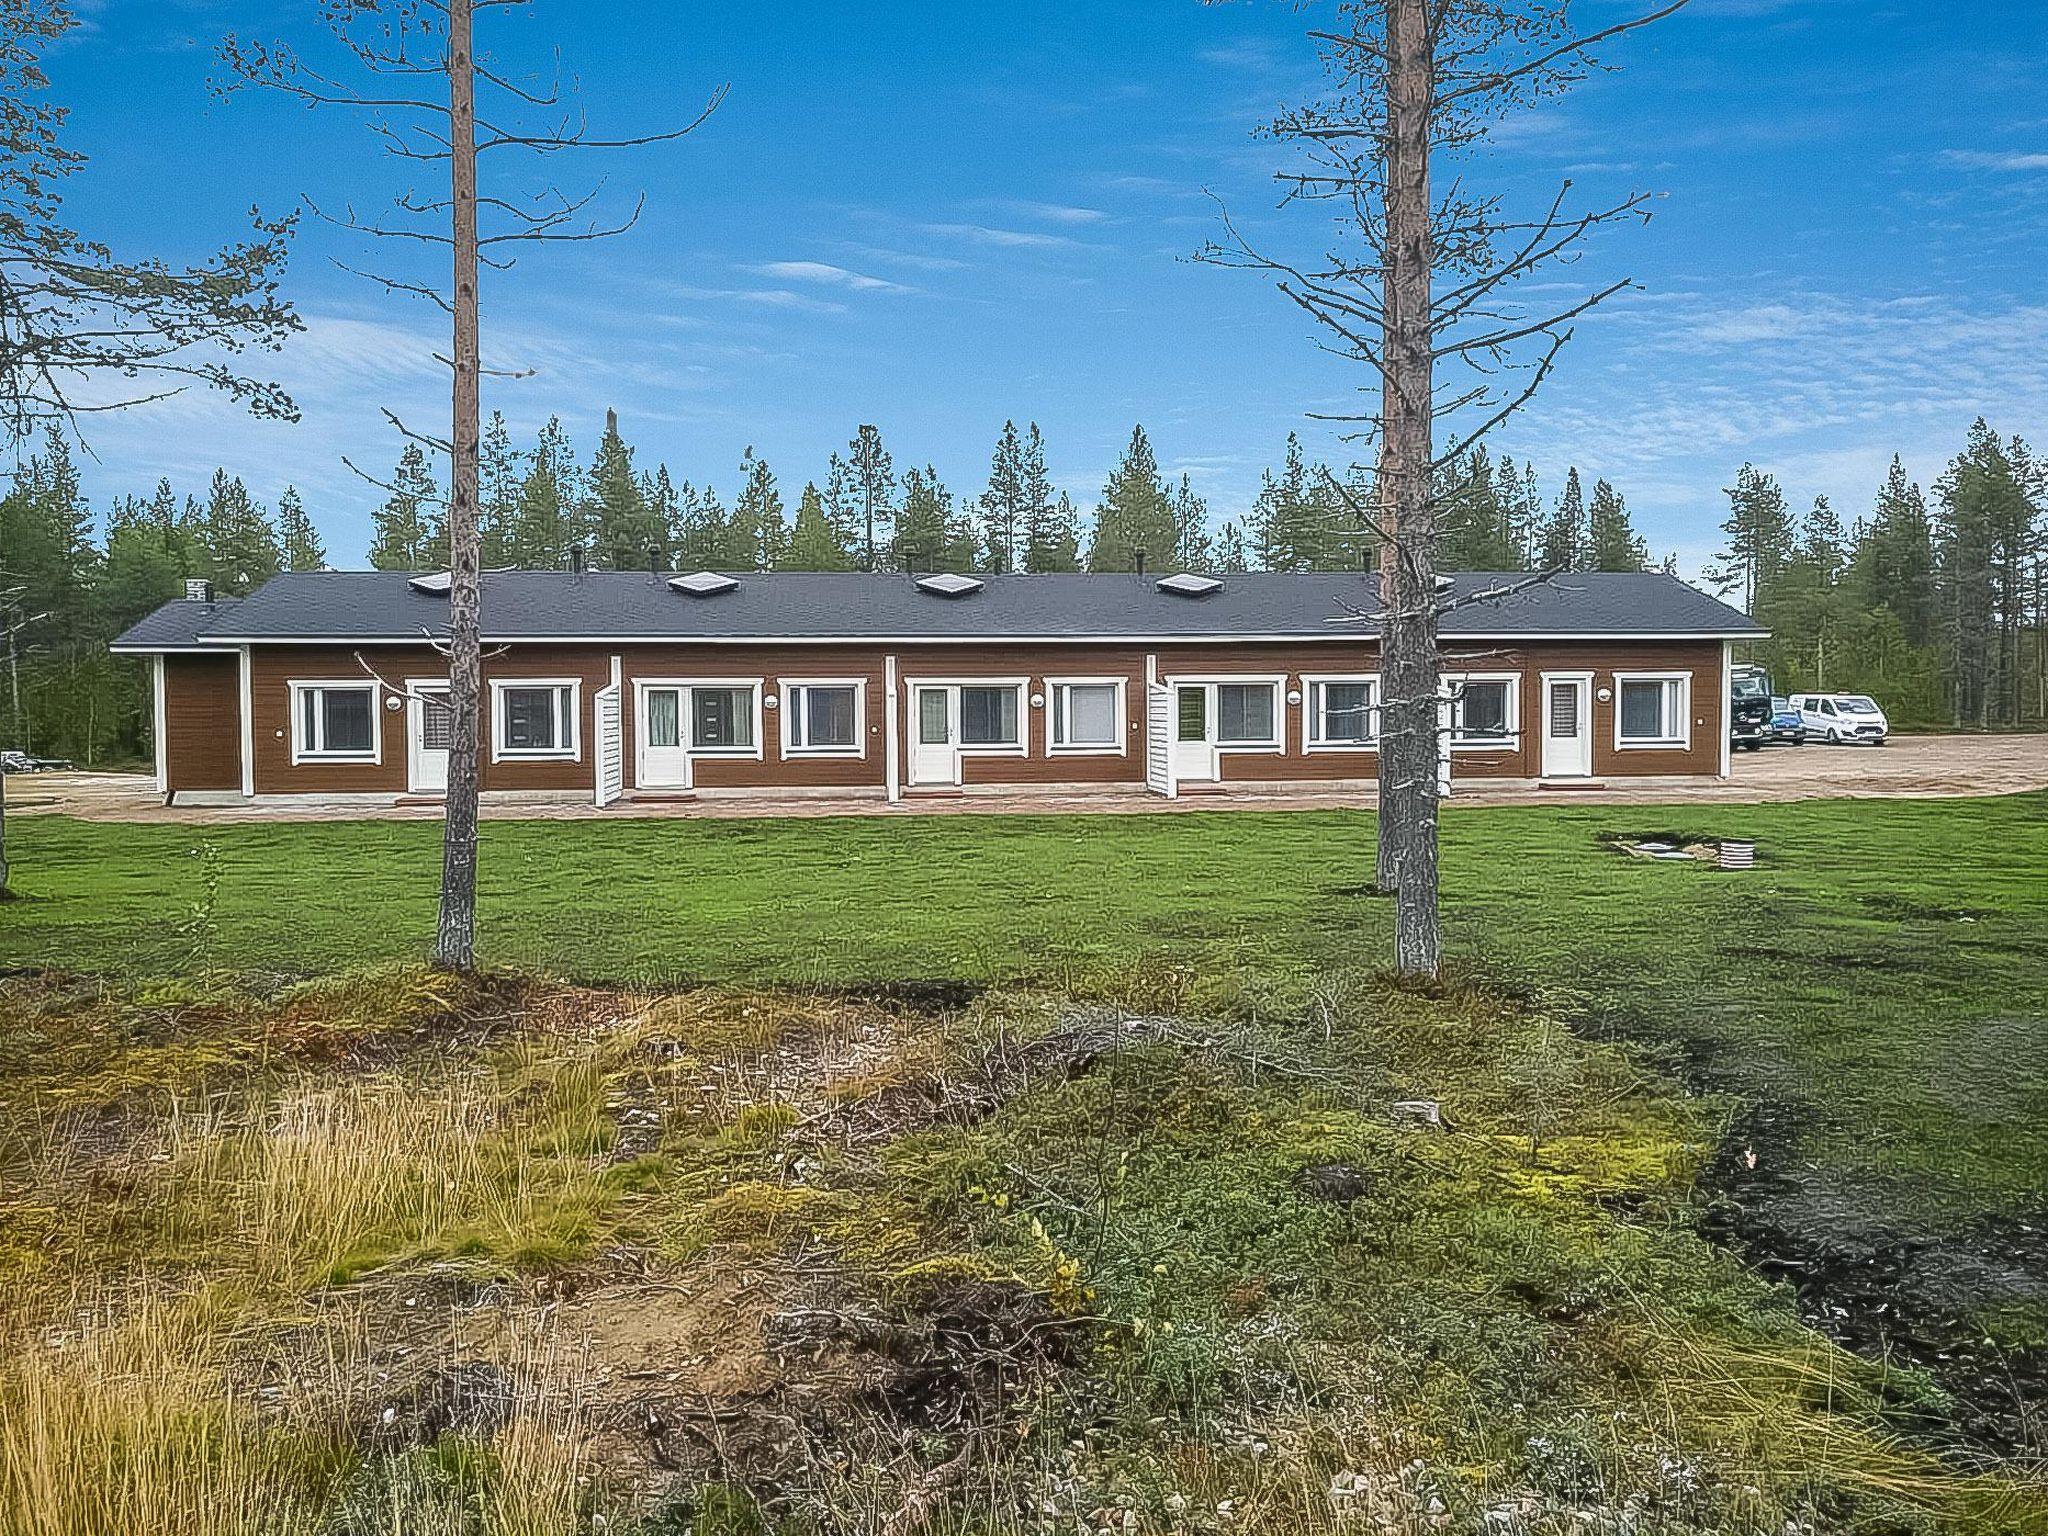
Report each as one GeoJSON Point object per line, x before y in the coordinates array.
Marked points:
{"type": "Point", "coordinates": [936, 216]}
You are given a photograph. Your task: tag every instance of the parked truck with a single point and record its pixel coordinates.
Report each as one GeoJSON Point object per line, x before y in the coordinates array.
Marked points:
{"type": "Point", "coordinates": [1749, 707]}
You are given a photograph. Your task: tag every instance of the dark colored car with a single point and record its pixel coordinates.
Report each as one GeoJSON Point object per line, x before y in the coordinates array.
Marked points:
{"type": "Point", "coordinates": [1786, 724]}
{"type": "Point", "coordinates": [1749, 707]}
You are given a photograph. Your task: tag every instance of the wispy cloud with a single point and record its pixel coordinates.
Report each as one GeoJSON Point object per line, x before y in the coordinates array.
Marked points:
{"type": "Point", "coordinates": [987, 234]}
{"type": "Point", "coordinates": [766, 298]}
{"type": "Point", "coordinates": [1997, 160]}
{"type": "Point", "coordinates": [827, 275]}
{"type": "Point", "coordinates": [1052, 213]}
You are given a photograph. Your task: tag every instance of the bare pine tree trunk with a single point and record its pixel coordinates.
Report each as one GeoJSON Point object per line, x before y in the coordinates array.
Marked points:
{"type": "Point", "coordinates": [455, 940]}
{"type": "Point", "coordinates": [1409, 748]}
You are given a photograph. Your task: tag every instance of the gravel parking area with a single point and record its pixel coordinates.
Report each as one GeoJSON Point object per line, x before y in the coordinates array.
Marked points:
{"type": "Point", "coordinates": [1909, 767]}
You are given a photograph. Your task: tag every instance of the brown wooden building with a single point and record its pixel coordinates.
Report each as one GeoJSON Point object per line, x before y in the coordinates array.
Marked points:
{"type": "Point", "coordinates": [330, 685]}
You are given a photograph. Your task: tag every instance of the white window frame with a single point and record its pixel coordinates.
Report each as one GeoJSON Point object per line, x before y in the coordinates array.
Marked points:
{"type": "Point", "coordinates": [1312, 714]}
{"type": "Point", "coordinates": [859, 685]}
{"type": "Point", "coordinates": [1511, 739]}
{"type": "Point", "coordinates": [572, 753]}
{"type": "Point", "coordinates": [1277, 681]}
{"type": "Point", "coordinates": [1680, 742]}
{"type": "Point", "coordinates": [306, 752]}
{"type": "Point", "coordinates": [686, 713]}
{"type": "Point", "coordinates": [1022, 747]}
{"type": "Point", "coordinates": [1056, 715]}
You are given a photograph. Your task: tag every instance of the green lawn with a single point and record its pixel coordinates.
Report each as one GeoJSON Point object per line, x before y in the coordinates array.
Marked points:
{"type": "Point", "coordinates": [1885, 970]}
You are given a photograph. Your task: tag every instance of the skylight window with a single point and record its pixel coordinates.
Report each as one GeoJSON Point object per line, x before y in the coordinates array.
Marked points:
{"type": "Point", "coordinates": [704, 583]}
{"type": "Point", "coordinates": [1187, 584]}
{"type": "Point", "coordinates": [433, 583]}
{"type": "Point", "coordinates": [946, 584]}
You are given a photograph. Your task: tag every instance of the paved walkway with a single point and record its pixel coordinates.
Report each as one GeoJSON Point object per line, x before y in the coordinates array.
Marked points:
{"type": "Point", "coordinates": [1912, 766]}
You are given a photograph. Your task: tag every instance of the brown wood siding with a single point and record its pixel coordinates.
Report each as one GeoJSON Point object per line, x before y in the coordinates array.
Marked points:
{"type": "Point", "coordinates": [203, 722]}
{"type": "Point", "coordinates": [202, 692]}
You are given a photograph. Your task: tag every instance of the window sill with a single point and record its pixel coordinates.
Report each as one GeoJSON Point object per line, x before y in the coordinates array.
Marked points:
{"type": "Point", "coordinates": [800, 752]}
{"type": "Point", "coordinates": [743, 753]}
{"type": "Point", "coordinates": [534, 755]}
{"type": "Point", "coordinates": [1342, 746]}
{"type": "Point", "coordinates": [1107, 749]}
{"type": "Point", "coordinates": [1250, 746]}
{"type": "Point", "coordinates": [359, 759]}
{"type": "Point", "coordinates": [990, 749]}
{"type": "Point", "coordinates": [1491, 744]}
{"type": "Point", "coordinates": [1674, 745]}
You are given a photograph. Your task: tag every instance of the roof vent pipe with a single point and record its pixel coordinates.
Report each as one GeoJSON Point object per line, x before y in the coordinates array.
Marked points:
{"type": "Point", "coordinates": [575, 559]}
{"type": "Point", "coordinates": [1138, 560]}
{"type": "Point", "coordinates": [653, 561]}
{"type": "Point", "coordinates": [198, 590]}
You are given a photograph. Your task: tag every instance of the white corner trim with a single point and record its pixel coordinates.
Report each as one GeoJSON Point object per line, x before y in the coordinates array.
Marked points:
{"type": "Point", "coordinates": [573, 753]}
{"type": "Point", "coordinates": [157, 739]}
{"type": "Point", "coordinates": [248, 706]}
{"type": "Point", "coordinates": [1727, 707]}
{"type": "Point", "coordinates": [893, 773]}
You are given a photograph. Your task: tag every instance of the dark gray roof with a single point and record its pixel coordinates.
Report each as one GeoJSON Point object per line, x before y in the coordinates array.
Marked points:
{"type": "Point", "coordinates": [615, 606]}
{"type": "Point", "coordinates": [177, 625]}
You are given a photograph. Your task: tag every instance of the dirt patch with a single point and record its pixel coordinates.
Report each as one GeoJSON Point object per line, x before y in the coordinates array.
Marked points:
{"type": "Point", "coordinates": [1888, 1294]}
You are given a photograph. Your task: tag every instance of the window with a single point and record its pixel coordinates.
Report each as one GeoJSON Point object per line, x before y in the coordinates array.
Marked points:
{"type": "Point", "coordinates": [1193, 714]}
{"type": "Point", "coordinates": [1343, 711]}
{"type": "Point", "coordinates": [664, 717]}
{"type": "Point", "coordinates": [535, 718]}
{"type": "Point", "coordinates": [1087, 716]}
{"type": "Point", "coordinates": [336, 721]}
{"type": "Point", "coordinates": [988, 717]}
{"type": "Point", "coordinates": [822, 718]}
{"type": "Point", "coordinates": [1651, 710]}
{"type": "Point", "coordinates": [1245, 714]}
{"type": "Point", "coordinates": [1483, 711]}
{"type": "Point", "coordinates": [722, 719]}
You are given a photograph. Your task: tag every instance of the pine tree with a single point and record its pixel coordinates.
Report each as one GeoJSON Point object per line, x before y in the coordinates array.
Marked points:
{"type": "Point", "coordinates": [757, 530]}
{"type": "Point", "coordinates": [1193, 549]}
{"type": "Point", "coordinates": [1134, 519]}
{"type": "Point", "coordinates": [1231, 557]}
{"type": "Point", "coordinates": [702, 531]}
{"type": "Point", "coordinates": [1612, 541]}
{"type": "Point", "coordinates": [625, 532]}
{"type": "Point", "coordinates": [1562, 544]}
{"type": "Point", "coordinates": [544, 516]}
{"type": "Point", "coordinates": [930, 534]}
{"type": "Point", "coordinates": [241, 546]}
{"type": "Point", "coordinates": [402, 530]}
{"type": "Point", "coordinates": [1478, 527]}
{"type": "Point", "coordinates": [1052, 528]}
{"type": "Point", "coordinates": [813, 545]}
{"type": "Point", "coordinates": [497, 493]}
{"type": "Point", "coordinates": [1759, 538]}
{"type": "Point", "coordinates": [1821, 540]}
{"type": "Point", "coordinates": [1522, 514]}
{"type": "Point", "coordinates": [1289, 526]}
{"type": "Point", "coordinates": [860, 492]}
{"type": "Point", "coordinates": [1005, 511]}
{"type": "Point", "coordinates": [298, 540]}
{"type": "Point", "coordinates": [1983, 501]}
{"type": "Point", "coordinates": [1893, 564]}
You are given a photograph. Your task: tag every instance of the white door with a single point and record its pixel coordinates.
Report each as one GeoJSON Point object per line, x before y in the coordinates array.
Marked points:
{"type": "Point", "coordinates": [1194, 733]}
{"type": "Point", "coordinates": [934, 735]}
{"type": "Point", "coordinates": [663, 758]}
{"type": "Point", "coordinates": [1567, 728]}
{"type": "Point", "coordinates": [430, 728]}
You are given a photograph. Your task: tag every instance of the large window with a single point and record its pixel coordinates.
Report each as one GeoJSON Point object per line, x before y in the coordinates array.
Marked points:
{"type": "Point", "coordinates": [1484, 711]}
{"type": "Point", "coordinates": [988, 717]}
{"type": "Point", "coordinates": [1343, 711]}
{"type": "Point", "coordinates": [722, 719]}
{"type": "Point", "coordinates": [336, 722]}
{"type": "Point", "coordinates": [535, 718]}
{"type": "Point", "coordinates": [1245, 715]}
{"type": "Point", "coordinates": [822, 719]}
{"type": "Point", "coordinates": [1087, 716]}
{"type": "Point", "coordinates": [1652, 710]}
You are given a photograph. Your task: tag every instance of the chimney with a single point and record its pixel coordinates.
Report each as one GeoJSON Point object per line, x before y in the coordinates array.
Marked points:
{"type": "Point", "coordinates": [198, 590]}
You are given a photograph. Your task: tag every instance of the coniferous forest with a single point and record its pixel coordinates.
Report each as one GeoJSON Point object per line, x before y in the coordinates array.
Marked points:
{"type": "Point", "coordinates": [1933, 600]}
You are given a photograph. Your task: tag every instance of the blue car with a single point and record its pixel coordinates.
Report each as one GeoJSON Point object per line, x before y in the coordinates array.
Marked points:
{"type": "Point", "coordinates": [1787, 724]}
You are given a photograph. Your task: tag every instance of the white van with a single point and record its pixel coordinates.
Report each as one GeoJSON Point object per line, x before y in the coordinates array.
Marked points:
{"type": "Point", "coordinates": [1840, 717]}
